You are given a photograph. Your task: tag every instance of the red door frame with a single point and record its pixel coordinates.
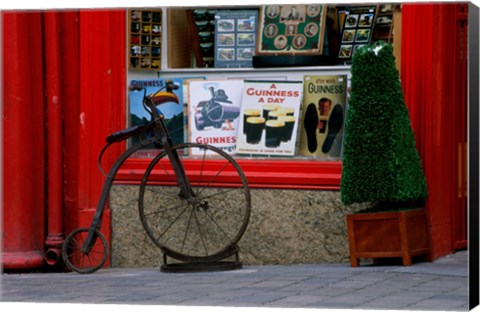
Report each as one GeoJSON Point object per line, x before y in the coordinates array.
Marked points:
{"type": "Point", "coordinates": [434, 81]}
{"type": "Point", "coordinates": [459, 213]}
{"type": "Point", "coordinates": [97, 107]}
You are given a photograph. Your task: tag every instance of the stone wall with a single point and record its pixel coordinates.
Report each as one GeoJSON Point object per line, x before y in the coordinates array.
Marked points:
{"type": "Point", "coordinates": [286, 227]}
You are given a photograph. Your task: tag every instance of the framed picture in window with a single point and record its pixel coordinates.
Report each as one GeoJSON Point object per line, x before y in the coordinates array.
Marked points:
{"type": "Point", "coordinates": [357, 30]}
{"type": "Point", "coordinates": [235, 32]}
{"type": "Point", "coordinates": [291, 29]}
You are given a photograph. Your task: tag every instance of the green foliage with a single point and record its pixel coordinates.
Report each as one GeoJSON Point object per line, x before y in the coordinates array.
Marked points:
{"type": "Point", "coordinates": [380, 159]}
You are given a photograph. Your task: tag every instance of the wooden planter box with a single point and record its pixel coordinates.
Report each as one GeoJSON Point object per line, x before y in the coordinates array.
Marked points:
{"type": "Point", "coordinates": [388, 235]}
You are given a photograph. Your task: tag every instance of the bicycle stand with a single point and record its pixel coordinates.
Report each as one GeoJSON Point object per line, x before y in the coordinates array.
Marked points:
{"type": "Point", "coordinates": [202, 266]}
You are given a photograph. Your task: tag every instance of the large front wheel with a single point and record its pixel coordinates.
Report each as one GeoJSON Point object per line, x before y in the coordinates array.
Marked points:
{"type": "Point", "coordinates": [206, 226]}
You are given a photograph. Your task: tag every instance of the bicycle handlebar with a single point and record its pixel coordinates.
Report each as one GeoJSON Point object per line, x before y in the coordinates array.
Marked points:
{"type": "Point", "coordinates": [127, 133]}
{"type": "Point", "coordinates": [149, 102]}
{"type": "Point", "coordinates": [135, 88]}
{"type": "Point", "coordinates": [170, 86]}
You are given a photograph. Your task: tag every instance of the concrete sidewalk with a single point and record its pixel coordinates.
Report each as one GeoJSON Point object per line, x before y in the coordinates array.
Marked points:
{"type": "Point", "coordinates": [440, 285]}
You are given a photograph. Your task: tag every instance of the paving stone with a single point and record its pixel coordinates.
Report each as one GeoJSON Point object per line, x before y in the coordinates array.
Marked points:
{"type": "Point", "coordinates": [339, 286]}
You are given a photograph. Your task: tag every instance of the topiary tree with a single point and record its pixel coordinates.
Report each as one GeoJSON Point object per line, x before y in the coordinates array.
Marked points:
{"type": "Point", "coordinates": [381, 164]}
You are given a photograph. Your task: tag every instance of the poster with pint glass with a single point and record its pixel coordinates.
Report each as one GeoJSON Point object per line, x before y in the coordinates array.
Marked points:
{"type": "Point", "coordinates": [323, 113]}
{"type": "Point", "coordinates": [269, 116]}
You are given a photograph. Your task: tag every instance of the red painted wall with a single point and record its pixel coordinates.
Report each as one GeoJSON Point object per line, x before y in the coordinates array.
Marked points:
{"type": "Point", "coordinates": [68, 64]}
{"type": "Point", "coordinates": [99, 108]}
{"type": "Point", "coordinates": [23, 200]}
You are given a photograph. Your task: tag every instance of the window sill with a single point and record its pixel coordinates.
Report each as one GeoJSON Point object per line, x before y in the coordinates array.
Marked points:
{"type": "Point", "coordinates": [278, 174]}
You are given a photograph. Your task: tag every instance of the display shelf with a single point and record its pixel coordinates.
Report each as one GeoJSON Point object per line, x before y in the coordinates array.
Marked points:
{"type": "Point", "coordinates": [178, 42]}
{"type": "Point", "coordinates": [281, 73]}
{"type": "Point", "coordinates": [384, 23]}
{"type": "Point", "coordinates": [145, 38]}
{"type": "Point", "coordinates": [254, 70]}
{"type": "Point", "coordinates": [192, 36]}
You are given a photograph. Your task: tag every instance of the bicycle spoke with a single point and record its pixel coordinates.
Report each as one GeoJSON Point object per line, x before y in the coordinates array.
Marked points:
{"type": "Point", "coordinates": [201, 236]}
{"type": "Point", "coordinates": [187, 229]}
{"type": "Point", "coordinates": [203, 163]}
{"type": "Point", "coordinates": [221, 195]}
{"type": "Point", "coordinates": [95, 252]}
{"type": "Point", "coordinates": [158, 191]}
{"type": "Point", "coordinates": [77, 242]}
{"type": "Point", "coordinates": [72, 255]}
{"type": "Point", "coordinates": [218, 226]}
{"type": "Point", "coordinates": [172, 223]}
{"type": "Point", "coordinates": [225, 191]}
{"type": "Point", "coordinates": [156, 212]}
{"type": "Point", "coordinates": [239, 212]}
{"type": "Point", "coordinates": [164, 169]}
{"type": "Point", "coordinates": [213, 178]}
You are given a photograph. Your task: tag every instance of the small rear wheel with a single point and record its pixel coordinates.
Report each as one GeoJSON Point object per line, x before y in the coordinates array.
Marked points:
{"type": "Point", "coordinates": [207, 226]}
{"type": "Point", "coordinates": [84, 261]}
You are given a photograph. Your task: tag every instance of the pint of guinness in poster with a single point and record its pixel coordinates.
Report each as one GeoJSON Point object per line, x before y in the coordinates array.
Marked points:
{"type": "Point", "coordinates": [269, 115]}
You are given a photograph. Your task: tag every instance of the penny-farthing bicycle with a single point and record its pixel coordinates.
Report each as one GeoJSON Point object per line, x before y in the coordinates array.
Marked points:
{"type": "Point", "coordinates": [194, 200]}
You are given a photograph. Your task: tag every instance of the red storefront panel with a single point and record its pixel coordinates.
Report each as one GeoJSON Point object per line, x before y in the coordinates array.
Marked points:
{"type": "Point", "coordinates": [434, 85]}
{"type": "Point", "coordinates": [23, 200]}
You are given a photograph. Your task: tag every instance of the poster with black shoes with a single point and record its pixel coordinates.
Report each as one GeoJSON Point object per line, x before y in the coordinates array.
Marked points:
{"type": "Point", "coordinates": [269, 116]}
{"type": "Point", "coordinates": [323, 113]}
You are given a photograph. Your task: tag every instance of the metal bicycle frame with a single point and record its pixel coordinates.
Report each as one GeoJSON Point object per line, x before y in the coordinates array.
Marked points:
{"type": "Point", "coordinates": [161, 136]}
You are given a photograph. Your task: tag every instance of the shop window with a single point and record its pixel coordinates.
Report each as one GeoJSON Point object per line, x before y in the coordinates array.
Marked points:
{"type": "Point", "coordinates": [283, 124]}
